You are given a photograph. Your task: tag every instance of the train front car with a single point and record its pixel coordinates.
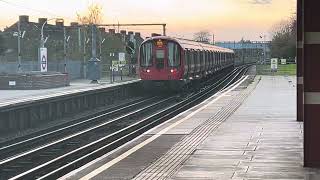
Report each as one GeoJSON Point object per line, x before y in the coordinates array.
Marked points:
{"type": "Point", "coordinates": [172, 63]}
{"type": "Point", "coordinates": [161, 64]}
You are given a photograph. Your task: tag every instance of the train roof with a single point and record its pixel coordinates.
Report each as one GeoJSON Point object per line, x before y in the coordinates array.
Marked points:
{"type": "Point", "coordinates": [192, 45]}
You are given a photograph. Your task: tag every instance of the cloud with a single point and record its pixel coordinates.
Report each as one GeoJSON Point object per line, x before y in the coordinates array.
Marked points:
{"type": "Point", "coordinates": [261, 1]}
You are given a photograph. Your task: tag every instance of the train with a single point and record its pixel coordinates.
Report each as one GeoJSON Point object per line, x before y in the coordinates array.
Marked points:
{"type": "Point", "coordinates": [174, 63]}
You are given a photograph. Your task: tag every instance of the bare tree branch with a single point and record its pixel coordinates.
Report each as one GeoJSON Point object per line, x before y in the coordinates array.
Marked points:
{"type": "Point", "coordinates": [202, 36]}
{"type": "Point", "coordinates": [94, 15]}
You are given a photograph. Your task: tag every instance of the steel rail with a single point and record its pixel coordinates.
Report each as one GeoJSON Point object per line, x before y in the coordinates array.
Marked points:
{"type": "Point", "coordinates": [36, 139]}
{"type": "Point", "coordinates": [34, 157]}
{"type": "Point", "coordinates": [69, 161]}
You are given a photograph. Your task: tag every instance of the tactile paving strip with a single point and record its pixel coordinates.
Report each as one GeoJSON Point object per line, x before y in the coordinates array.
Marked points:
{"type": "Point", "coordinates": [169, 163]}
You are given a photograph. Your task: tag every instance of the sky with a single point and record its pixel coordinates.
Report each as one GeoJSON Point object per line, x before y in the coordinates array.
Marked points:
{"type": "Point", "coordinates": [228, 20]}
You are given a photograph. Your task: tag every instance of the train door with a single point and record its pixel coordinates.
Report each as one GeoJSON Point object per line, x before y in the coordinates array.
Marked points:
{"type": "Point", "coordinates": [160, 58]}
{"type": "Point", "coordinates": [214, 61]}
{"type": "Point", "coordinates": [192, 63]}
{"type": "Point", "coordinates": [210, 61]}
{"type": "Point", "coordinates": [220, 60]}
{"type": "Point", "coordinates": [186, 63]}
{"type": "Point", "coordinates": [206, 62]}
{"type": "Point", "coordinates": [201, 60]}
{"type": "Point", "coordinates": [197, 61]}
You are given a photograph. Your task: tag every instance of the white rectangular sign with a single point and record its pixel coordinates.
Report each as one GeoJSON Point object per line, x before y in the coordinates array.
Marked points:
{"type": "Point", "coordinates": [12, 83]}
{"type": "Point", "coordinates": [283, 61]}
{"type": "Point", "coordinates": [43, 60]}
{"type": "Point", "coordinates": [122, 56]}
{"type": "Point", "coordinates": [274, 64]}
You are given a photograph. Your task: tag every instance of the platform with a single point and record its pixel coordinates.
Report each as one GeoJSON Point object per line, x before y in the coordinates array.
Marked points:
{"type": "Point", "coordinates": [9, 97]}
{"type": "Point", "coordinates": [241, 133]}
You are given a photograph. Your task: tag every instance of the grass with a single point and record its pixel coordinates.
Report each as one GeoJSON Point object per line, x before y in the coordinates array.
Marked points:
{"type": "Point", "coordinates": [288, 69]}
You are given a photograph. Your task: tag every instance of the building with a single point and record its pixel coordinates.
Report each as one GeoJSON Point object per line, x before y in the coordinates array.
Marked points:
{"type": "Point", "coordinates": [77, 39]}
{"type": "Point", "coordinates": [249, 51]}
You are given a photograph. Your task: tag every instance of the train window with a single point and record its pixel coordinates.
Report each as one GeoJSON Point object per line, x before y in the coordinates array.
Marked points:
{"type": "Point", "coordinates": [191, 56]}
{"type": "Point", "coordinates": [214, 58]}
{"type": "Point", "coordinates": [200, 60]}
{"type": "Point", "coordinates": [205, 60]}
{"type": "Point", "coordinates": [173, 54]}
{"type": "Point", "coordinates": [160, 54]}
{"type": "Point", "coordinates": [186, 61]}
{"type": "Point", "coordinates": [210, 60]}
{"type": "Point", "coordinates": [160, 58]}
{"type": "Point", "coordinates": [146, 55]}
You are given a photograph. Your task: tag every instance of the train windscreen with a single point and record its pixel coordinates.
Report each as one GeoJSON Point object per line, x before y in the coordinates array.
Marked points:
{"type": "Point", "coordinates": [173, 54]}
{"type": "Point", "coordinates": [146, 55]}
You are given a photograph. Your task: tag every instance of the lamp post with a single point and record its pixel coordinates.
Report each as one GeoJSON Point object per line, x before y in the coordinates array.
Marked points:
{"type": "Point", "coordinates": [264, 48]}
{"type": "Point", "coordinates": [42, 42]}
{"type": "Point", "coordinates": [65, 41]}
{"type": "Point", "coordinates": [100, 45]}
{"type": "Point", "coordinates": [42, 38]}
{"type": "Point", "coordinates": [111, 67]}
{"type": "Point", "coordinates": [19, 36]}
{"type": "Point", "coordinates": [19, 48]}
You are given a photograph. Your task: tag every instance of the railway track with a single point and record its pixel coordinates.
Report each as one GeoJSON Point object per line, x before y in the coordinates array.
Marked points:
{"type": "Point", "coordinates": [21, 144]}
{"type": "Point", "coordinates": [82, 145]}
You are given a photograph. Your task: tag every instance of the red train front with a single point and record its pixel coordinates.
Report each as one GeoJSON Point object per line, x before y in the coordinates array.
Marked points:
{"type": "Point", "coordinates": [173, 63]}
{"type": "Point", "coordinates": [160, 60]}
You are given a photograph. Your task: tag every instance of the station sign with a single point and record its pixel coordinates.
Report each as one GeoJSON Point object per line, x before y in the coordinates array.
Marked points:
{"type": "Point", "coordinates": [274, 64]}
{"type": "Point", "coordinates": [43, 60]}
{"type": "Point", "coordinates": [122, 56]}
{"type": "Point", "coordinates": [115, 66]}
{"type": "Point", "coordinates": [283, 61]}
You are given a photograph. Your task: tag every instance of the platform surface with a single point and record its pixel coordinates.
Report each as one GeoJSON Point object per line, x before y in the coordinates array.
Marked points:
{"type": "Point", "coordinates": [261, 140]}
{"type": "Point", "coordinates": [245, 133]}
{"type": "Point", "coordinates": [9, 97]}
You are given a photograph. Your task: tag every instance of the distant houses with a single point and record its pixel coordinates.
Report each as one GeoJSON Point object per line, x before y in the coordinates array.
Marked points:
{"type": "Point", "coordinates": [78, 45]}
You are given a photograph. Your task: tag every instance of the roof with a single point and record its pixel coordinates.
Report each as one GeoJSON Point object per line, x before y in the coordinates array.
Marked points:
{"type": "Point", "coordinates": [245, 45]}
{"type": "Point", "coordinates": [192, 45]}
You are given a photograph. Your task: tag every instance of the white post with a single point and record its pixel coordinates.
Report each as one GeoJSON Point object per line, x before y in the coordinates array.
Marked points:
{"type": "Point", "coordinates": [19, 46]}
{"type": "Point", "coordinates": [65, 49]}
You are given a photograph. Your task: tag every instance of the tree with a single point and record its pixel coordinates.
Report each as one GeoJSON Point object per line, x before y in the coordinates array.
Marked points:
{"type": "Point", "coordinates": [283, 43]}
{"type": "Point", "coordinates": [202, 36]}
{"type": "Point", "coordinates": [93, 15]}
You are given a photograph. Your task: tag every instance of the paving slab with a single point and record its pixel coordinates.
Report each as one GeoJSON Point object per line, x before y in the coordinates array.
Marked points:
{"type": "Point", "coordinates": [261, 140]}
{"type": "Point", "coordinates": [9, 97]}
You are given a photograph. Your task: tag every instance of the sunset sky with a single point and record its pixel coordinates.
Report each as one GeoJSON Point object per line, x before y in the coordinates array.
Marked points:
{"type": "Point", "coordinates": [227, 19]}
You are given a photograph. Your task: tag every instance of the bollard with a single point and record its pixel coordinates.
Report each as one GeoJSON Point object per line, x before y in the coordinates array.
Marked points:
{"type": "Point", "coordinates": [113, 76]}
{"type": "Point", "coordinates": [121, 74]}
{"type": "Point", "coordinates": [111, 73]}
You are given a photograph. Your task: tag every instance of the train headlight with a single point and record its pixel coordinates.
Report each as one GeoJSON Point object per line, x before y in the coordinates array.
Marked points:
{"type": "Point", "coordinates": [173, 70]}
{"type": "Point", "coordinates": [148, 70]}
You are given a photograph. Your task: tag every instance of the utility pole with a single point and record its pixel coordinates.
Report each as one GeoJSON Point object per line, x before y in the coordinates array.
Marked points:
{"type": "Point", "coordinates": [264, 49]}
{"type": "Point", "coordinates": [212, 39]}
{"type": "Point", "coordinates": [84, 54]}
{"type": "Point", "coordinates": [19, 46]}
{"type": "Point", "coordinates": [65, 49]}
{"type": "Point", "coordinates": [94, 62]}
{"type": "Point", "coordinates": [94, 41]}
{"type": "Point", "coordinates": [100, 44]}
{"type": "Point", "coordinates": [79, 38]}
